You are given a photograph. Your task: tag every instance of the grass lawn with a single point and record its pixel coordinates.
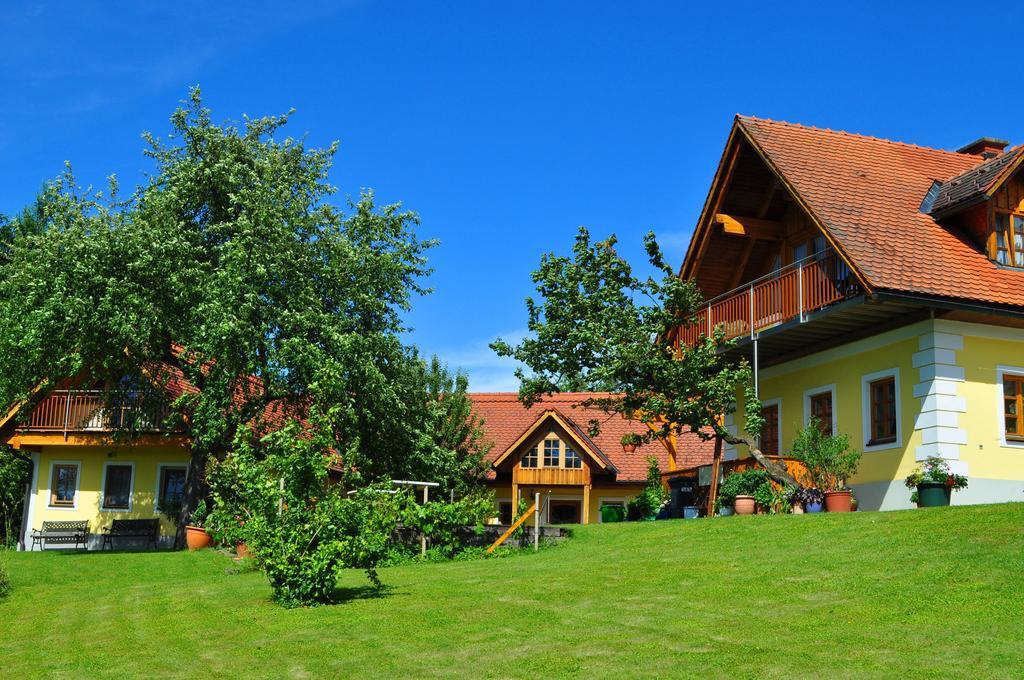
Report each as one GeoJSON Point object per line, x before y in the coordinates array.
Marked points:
{"type": "Point", "coordinates": [924, 593]}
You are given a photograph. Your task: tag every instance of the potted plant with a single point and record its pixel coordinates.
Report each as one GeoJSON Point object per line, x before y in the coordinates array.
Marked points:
{"type": "Point", "coordinates": [196, 537]}
{"type": "Point", "coordinates": [829, 462]}
{"type": "Point", "coordinates": [812, 499]}
{"type": "Point", "coordinates": [649, 503]}
{"type": "Point", "coordinates": [796, 500]}
{"type": "Point", "coordinates": [933, 483]}
{"type": "Point", "coordinates": [631, 441]}
{"type": "Point", "coordinates": [739, 488]}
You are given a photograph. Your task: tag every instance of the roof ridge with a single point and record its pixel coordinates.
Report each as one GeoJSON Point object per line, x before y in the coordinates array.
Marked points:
{"type": "Point", "coordinates": [857, 135]}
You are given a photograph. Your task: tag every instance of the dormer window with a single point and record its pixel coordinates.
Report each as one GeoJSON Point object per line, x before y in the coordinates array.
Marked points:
{"type": "Point", "coordinates": [552, 452]}
{"type": "Point", "coordinates": [1009, 241]}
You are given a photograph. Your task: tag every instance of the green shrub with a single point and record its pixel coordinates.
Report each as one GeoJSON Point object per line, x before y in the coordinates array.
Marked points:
{"type": "Point", "coordinates": [442, 522]}
{"type": "Point", "coordinates": [744, 483]}
{"type": "Point", "coordinates": [13, 474]}
{"type": "Point", "coordinates": [651, 498]}
{"type": "Point", "coordinates": [828, 458]}
{"type": "Point", "coordinates": [5, 580]}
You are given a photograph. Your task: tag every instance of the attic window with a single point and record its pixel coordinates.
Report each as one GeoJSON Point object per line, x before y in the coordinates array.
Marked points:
{"type": "Point", "coordinates": [929, 198]}
{"type": "Point", "coordinates": [1009, 239]}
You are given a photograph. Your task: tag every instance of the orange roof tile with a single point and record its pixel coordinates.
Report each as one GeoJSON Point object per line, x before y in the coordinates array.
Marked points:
{"type": "Point", "coordinates": [505, 420]}
{"type": "Point", "coordinates": [867, 193]}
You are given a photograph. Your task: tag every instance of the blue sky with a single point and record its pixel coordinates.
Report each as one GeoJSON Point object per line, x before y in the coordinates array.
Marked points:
{"type": "Point", "coordinates": [505, 125]}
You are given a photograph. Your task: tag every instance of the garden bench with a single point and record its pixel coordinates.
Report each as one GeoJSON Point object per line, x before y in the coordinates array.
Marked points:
{"type": "Point", "coordinates": [132, 528]}
{"type": "Point", "coordinates": [60, 532]}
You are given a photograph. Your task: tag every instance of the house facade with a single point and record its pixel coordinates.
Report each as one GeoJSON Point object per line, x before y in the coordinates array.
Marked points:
{"type": "Point", "coordinates": [86, 468]}
{"type": "Point", "coordinates": [547, 449]}
{"type": "Point", "coordinates": [877, 286]}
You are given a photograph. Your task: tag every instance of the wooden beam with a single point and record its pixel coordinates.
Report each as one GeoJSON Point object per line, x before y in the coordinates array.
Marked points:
{"type": "Point", "coordinates": [741, 266]}
{"type": "Point", "coordinates": [586, 504]}
{"type": "Point", "coordinates": [766, 200]}
{"type": "Point", "coordinates": [716, 463]}
{"type": "Point", "coordinates": [752, 227]}
{"type": "Point", "coordinates": [504, 537]}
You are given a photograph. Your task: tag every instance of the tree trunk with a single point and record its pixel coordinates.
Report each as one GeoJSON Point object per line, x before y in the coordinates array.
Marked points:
{"type": "Point", "coordinates": [195, 491]}
{"type": "Point", "coordinates": [776, 470]}
{"type": "Point", "coordinates": [716, 463]}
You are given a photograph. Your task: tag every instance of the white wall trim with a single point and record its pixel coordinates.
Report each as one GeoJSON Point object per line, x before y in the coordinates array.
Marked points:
{"type": "Point", "coordinates": [865, 392]}
{"type": "Point", "coordinates": [1002, 370]}
{"type": "Point", "coordinates": [49, 485]}
{"type": "Point", "coordinates": [938, 417]}
{"type": "Point", "coordinates": [807, 404]}
{"type": "Point", "coordinates": [131, 486]}
{"type": "Point", "coordinates": [978, 330]}
{"type": "Point", "coordinates": [30, 511]}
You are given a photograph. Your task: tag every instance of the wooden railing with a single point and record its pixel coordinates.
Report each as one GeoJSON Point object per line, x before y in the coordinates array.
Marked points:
{"type": "Point", "coordinates": [98, 411]}
{"type": "Point", "coordinates": [784, 295]}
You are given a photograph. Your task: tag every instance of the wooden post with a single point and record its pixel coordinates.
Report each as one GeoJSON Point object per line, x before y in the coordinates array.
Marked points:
{"type": "Point", "coordinates": [515, 498]}
{"type": "Point", "coordinates": [536, 522]}
{"type": "Point", "coordinates": [715, 465]}
{"type": "Point", "coordinates": [423, 536]}
{"type": "Point", "coordinates": [586, 503]}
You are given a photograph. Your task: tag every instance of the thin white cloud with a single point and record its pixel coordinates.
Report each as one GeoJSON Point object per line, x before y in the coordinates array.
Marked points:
{"type": "Point", "coordinates": [486, 370]}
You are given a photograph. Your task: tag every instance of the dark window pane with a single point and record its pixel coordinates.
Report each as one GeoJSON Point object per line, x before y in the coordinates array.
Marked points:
{"type": "Point", "coordinates": [117, 488]}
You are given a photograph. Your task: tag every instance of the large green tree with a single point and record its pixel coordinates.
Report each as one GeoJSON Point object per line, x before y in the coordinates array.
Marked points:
{"type": "Point", "coordinates": [232, 268]}
{"type": "Point", "coordinates": [599, 327]}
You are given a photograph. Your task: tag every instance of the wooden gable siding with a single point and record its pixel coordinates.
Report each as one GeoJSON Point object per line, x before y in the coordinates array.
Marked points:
{"type": "Point", "coordinates": [1011, 195]}
{"type": "Point", "coordinates": [547, 475]}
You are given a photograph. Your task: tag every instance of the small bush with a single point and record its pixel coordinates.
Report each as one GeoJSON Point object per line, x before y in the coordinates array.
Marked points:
{"type": "Point", "coordinates": [5, 580]}
{"type": "Point", "coordinates": [651, 498]}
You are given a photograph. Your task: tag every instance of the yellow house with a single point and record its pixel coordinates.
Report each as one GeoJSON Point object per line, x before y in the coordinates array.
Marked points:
{"type": "Point", "coordinates": [878, 286]}
{"type": "Point", "coordinates": [83, 471]}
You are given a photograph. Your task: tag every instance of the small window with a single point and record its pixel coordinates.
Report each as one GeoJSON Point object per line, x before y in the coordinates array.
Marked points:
{"type": "Point", "coordinates": [821, 408]}
{"type": "Point", "coordinates": [529, 458]}
{"type": "Point", "coordinates": [1009, 239]}
{"type": "Point", "coordinates": [883, 411]}
{"type": "Point", "coordinates": [117, 487]}
{"type": "Point", "coordinates": [172, 487]}
{"type": "Point", "coordinates": [505, 512]}
{"type": "Point", "coordinates": [63, 485]}
{"type": "Point", "coordinates": [572, 459]}
{"type": "Point", "coordinates": [770, 431]}
{"type": "Point", "coordinates": [551, 456]}
{"type": "Point", "coordinates": [1013, 394]}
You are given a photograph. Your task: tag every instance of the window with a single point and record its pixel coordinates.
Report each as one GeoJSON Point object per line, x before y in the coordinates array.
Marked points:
{"type": "Point", "coordinates": [117, 486]}
{"type": "Point", "coordinates": [1013, 393]}
{"type": "Point", "coordinates": [572, 459]}
{"type": "Point", "coordinates": [882, 413]}
{"type": "Point", "coordinates": [63, 485]}
{"type": "Point", "coordinates": [564, 512]}
{"type": "Point", "coordinates": [1009, 239]}
{"type": "Point", "coordinates": [551, 453]}
{"type": "Point", "coordinates": [821, 408]}
{"type": "Point", "coordinates": [172, 487]}
{"type": "Point", "coordinates": [770, 431]}
{"type": "Point", "coordinates": [529, 459]}
{"type": "Point", "coordinates": [505, 512]}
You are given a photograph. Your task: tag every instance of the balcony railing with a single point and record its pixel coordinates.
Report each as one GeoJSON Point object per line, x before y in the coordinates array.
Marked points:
{"type": "Point", "coordinates": [99, 411]}
{"type": "Point", "coordinates": [784, 295]}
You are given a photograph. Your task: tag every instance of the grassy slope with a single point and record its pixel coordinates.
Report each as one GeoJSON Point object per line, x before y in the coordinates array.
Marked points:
{"type": "Point", "coordinates": [934, 593]}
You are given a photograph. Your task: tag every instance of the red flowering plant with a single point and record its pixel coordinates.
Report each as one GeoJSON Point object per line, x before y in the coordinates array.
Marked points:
{"type": "Point", "coordinates": [935, 471]}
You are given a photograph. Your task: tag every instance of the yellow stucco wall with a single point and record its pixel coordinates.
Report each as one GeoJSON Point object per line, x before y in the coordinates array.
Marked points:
{"type": "Point", "coordinates": [949, 393]}
{"type": "Point", "coordinates": [91, 460]}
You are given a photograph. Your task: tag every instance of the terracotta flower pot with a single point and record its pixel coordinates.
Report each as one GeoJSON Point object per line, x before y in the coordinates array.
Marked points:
{"type": "Point", "coordinates": [242, 550]}
{"type": "Point", "coordinates": [745, 505]}
{"type": "Point", "coordinates": [838, 501]}
{"type": "Point", "coordinates": [197, 538]}
{"type": "Point", "coordinates": [629, 448]}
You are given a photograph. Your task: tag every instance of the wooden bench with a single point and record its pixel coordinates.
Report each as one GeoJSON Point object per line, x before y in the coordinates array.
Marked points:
{"type": "Point", "coordinates": [60, 532]}
{"type": "Point", "coordinates": [132, 528]}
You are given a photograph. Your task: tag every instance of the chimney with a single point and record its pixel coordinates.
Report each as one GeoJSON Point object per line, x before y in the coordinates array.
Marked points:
{"type": "Point", "coordinates": [986, 147]}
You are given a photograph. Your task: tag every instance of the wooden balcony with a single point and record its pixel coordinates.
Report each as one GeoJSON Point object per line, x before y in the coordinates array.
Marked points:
{"type": "Point", "coordinates": [98, 411]}
{"type": "Point", "coordinates": [791, 293]}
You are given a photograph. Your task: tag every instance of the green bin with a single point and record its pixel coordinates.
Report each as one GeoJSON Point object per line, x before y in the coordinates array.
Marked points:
{"type": "Point", "coordinates": [613, 513]}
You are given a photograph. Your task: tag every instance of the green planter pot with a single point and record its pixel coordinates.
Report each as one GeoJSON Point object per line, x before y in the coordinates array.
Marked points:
{"type": "Point", "coordinates": [933, 495]}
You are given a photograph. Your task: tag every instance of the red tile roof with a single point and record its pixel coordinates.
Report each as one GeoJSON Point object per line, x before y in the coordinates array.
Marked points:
{"type": "Point", "coordinates": [867, 192]}
{"type": "Point", "coordinates": [505, 421]}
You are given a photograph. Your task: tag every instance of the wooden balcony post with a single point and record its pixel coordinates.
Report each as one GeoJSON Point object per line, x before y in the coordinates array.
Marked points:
{"type": "Point", "coordinates": [709, 320]}
{"type": "Point", "coordinates": [800, 290]}
{"type": "Point", "coordinates": [751, 289]}
{"type": "Point", "coordinates": [67, 412]}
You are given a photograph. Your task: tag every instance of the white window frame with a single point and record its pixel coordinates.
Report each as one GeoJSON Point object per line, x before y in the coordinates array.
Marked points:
{"type": "Point", "coordinates": [559, 497]}
{"type": "Point", "coordinates": [776, 401]}
{"type": "Point", "coordinates": [159, 478]}
{"type": "Point", "coordinates": [611, 500]}
{"type": "Point", "coordinates": [814, 391]}
{"type": "Point", "coordinates": [131, 487]}
{"type": "Point", "coordinates": [49, 485]}
{"type": "Point", "coordinates": [1016, 371]}
{"type": "Point", "coordinates": [865, 395]}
